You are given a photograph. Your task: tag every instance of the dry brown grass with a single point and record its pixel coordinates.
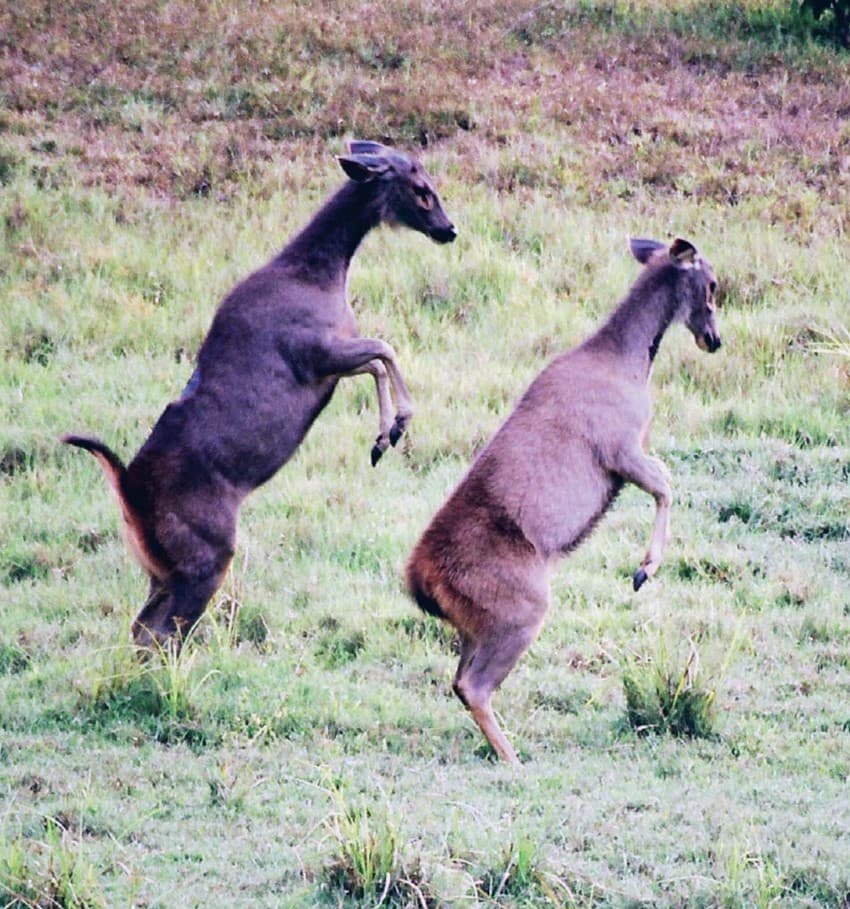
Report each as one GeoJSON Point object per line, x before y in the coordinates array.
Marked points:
{"type": "Point", "coordinates": [596, 101]}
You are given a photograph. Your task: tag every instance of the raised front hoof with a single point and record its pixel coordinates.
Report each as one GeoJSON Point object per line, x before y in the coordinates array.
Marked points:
{"type": "Point", "coordinates": [397, 430]}
{"type": "Point", "coordinates": [639, 578]}
{"type": "Point", "coordinates": [377, 452]}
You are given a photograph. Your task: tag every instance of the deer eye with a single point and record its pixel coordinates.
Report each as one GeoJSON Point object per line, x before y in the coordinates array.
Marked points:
{"type": "Point", "coordinates": [712, 286]}
{"type": "Point", "coordinates": [424, 197]}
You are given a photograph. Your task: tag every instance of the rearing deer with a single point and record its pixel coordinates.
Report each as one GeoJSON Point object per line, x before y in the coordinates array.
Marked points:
{"type": "Point", "coordinates": [279, 343]}
{"type": "Point", "coordinates": [550, 473]}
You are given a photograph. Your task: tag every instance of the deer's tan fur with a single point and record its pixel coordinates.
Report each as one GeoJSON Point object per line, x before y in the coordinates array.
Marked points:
{"type": "Point", "coordinates": [550, 473]}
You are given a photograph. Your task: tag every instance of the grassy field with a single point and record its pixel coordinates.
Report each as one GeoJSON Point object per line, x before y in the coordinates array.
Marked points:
{"type": "Point", "coordinates": [306, 748]}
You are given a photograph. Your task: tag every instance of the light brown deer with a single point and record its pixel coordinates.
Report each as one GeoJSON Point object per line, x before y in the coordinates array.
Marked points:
{"type": "Point", "coordinates": [549, 474]}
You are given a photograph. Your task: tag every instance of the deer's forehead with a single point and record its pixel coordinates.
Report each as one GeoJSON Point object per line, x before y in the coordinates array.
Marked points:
{"type": "Point", "coordinates": [700, 267]}
{"type": "Point", "coordinates": [705, 268]}
{"type": "Point", "coordinates": [403, 164]}
{"type": "Point", "coordinates": [418, 176]}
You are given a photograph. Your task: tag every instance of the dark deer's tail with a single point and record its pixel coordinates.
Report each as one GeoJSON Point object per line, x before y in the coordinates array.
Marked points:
{"type": "Point", "coordinates": [141, 543]}
{"type": "Point", "coordinates": [112, 465]}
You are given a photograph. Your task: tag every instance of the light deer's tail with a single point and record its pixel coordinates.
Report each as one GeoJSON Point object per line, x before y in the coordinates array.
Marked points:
{"type": "Point", "coordinates": [418, 587]}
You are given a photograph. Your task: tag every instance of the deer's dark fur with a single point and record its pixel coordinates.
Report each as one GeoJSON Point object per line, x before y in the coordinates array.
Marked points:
{"type": "Point", "coordinates": [279, 343]}
{"type": "Point", "coordinates": [549, 474]}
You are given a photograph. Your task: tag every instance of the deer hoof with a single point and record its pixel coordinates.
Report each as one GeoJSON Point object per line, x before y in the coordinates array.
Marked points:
{"type": "Point", "coordinates": [639, 578]}
{"type": "Point", "coordinates": [398, 428]}
{"type": "Point", "coordinates": [377, 452]}
{"type": "Point", "coordinates": [395, 434]}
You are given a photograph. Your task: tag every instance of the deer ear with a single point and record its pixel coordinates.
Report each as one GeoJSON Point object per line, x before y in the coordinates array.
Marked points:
{"type": "Point", "coordinates": [363, 168]}
{"type": "Point", "coordinates": [363, 147]}
{"type": "Point", "coordinates": [642, 249]}
{"type": "Point", "coordinates": [683, 252]}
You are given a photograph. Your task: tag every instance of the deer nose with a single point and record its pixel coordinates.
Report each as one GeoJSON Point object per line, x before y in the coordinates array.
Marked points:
{"type": "Point", "coordinates": [444, 234]}
{"type": "Point", "coordinates": [707, 340]}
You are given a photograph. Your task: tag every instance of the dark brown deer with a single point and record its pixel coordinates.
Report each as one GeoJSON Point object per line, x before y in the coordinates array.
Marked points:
{"type": "Point", "coordinates": [279, 343]}
{"type": "Point", "coordinates": [550, 473]}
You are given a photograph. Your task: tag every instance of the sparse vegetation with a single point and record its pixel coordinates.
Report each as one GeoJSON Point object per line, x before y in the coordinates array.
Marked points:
{"type": "Point", "coordinates": [153, 153]}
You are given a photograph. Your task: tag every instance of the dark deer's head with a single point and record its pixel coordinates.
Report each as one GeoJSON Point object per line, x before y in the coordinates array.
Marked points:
{"type": "Point", "coordinates": [696, 286]}
{"type": "Point", "coordinates": [407, 195]}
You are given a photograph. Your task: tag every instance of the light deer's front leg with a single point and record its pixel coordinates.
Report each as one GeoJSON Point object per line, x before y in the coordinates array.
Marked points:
{"type": "Point", "coordinates": [649, 474]}
{"type": "Point", "coordinates": [356, 356]}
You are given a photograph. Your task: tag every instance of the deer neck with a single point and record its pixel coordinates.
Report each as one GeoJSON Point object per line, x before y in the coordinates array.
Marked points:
{"type": "Point", "coordinates": [322, 252]}
{"type": "Point", "coordinates": [635, 329]}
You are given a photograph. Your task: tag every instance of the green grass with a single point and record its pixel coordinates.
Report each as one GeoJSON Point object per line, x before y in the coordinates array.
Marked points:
{"type": "Point", "coordinates": [306, 749]}
{"type": "Point", "coordinates": [48, 871]}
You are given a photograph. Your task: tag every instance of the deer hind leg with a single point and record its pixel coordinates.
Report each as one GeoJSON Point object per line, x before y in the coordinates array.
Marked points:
{"type": "Point", "coordinates": [169, 615]}
{"type": "Point", "coordinates": [176, 604]}
{"type": "Point", "coordinates": [144, 623]}
{"type": "Point", "coordinates": [485, 662]}
{"type": "Point", "coordinates": [652, 476]}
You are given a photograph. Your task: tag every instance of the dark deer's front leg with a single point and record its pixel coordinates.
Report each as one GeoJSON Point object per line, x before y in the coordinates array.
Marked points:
{"type": "Point", "coordinates": [370, 355]}
{"type": "Point", "coordinates": [650, 474]}
{"type": "Point", "coordinates": [378, 371]}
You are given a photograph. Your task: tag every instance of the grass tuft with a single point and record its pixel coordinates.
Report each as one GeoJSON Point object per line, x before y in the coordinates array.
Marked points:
{"type": "Point", "coordinates": [518, 875]}
{"type": "Point", "coordinates": [47, 874]}
{"type": "Point", "coordinates": [368, 865]}
{"type": "Point", "coordinates": [13, 659]}
{"type": "Point", "coordinates": [234, 623]}
{"type": "Point", "coordinates": [664, 698]}
{"type": "Point", "coordinates": [160, 693]}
